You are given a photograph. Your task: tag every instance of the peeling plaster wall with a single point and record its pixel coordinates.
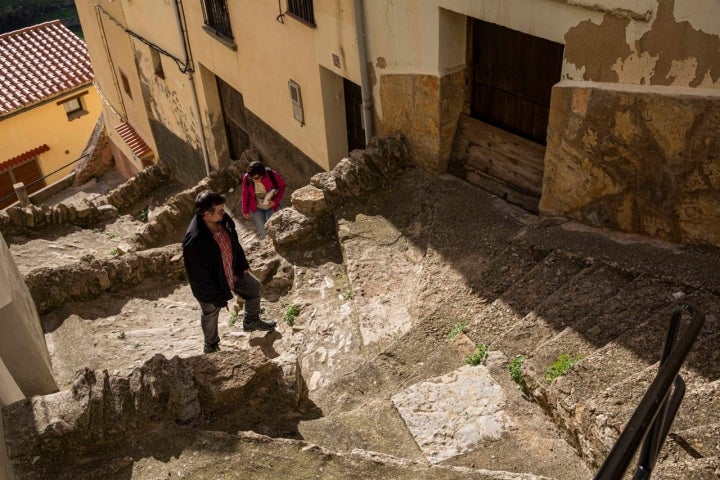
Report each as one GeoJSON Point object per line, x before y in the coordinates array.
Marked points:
{"type": "Point", "coordinates": [666, 50]}
{"type": "Point", "coordinates": [633, 142]}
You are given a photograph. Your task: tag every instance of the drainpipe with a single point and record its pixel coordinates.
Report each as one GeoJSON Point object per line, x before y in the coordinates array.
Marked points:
{"type": "Point", "coordinates": [364, 78]}
{"type": "Point", "coordinates": [189, 71]}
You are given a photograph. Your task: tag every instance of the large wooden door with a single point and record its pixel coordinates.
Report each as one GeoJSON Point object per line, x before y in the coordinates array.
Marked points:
{"type": "Point", "coordinates": [513, 75]}
{"type": "Point", "coordinates": [500, 145]}
{"type": "Point", "coordinates": [233, 108]}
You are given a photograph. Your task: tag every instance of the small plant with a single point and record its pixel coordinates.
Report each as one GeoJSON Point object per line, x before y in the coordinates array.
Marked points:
{"type": "Point", "coordinates": [478, 356]}
{"type": "Point", "coordinates": [121, 335]}
{"type": "Point", "coordinates": [233, 318]}
{"type": "Point", "coordinates": [114, 252]}
{"type": "Point", "coordinates": [515, 368]}
{"type": "Point", "coordinates": [459, 328]}
{"type": "Point", "coordinates": [560, 367]}
{"type": "Point", "coordinates": [349, 295]}
{"type": "Point", "coordinates": [291, 313]}
{"type": "Point", "coordinates": [137, 345]}
{"type": "Point", "coordinates": [144, 214]}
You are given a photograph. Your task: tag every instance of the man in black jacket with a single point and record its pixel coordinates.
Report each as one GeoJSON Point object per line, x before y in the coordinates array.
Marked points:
{"type": "Point", "coordinates": [216, 267]}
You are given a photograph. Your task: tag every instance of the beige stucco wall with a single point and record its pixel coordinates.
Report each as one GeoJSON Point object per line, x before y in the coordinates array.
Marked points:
{"type": "Point", "coordinates": [105, 34]}
{"type": "Point", "coordinates": [25, 368]}
{"type": "Point", "coordinates": [47, 123]}
{"type": "Point", "coordinates": [280, 52]}
{"type": "Point", "coordinates": [22, 342]}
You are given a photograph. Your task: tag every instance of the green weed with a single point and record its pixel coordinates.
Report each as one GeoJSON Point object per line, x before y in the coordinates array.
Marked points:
{"type": "Point", "coordinates": [121, 335]}
{"type": "Point", "coordinates": [114, 252]}
{"type": "Point", "coordinates": [459, 328]}
{"type": "Point", "coordinates": [478, 356]}
{"type": "Point", "coordinates": [144, 214]}
{"type": "Point", "coordinates": [233, 318]}
{"type": "Point", "coordinates": [561, 366]}
{"type": "Point", "coordinates": [515, 368]}
{"type": "Point", "coordinates": [349, 295]}
{"type": "Point", "coordinates": [291, 313]}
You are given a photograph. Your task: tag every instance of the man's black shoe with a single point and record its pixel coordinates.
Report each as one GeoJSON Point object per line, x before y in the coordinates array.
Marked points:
{"type": "Point", "coordinates": [250, 326]}
{"type": "Point", "coordinates": [211, 348]}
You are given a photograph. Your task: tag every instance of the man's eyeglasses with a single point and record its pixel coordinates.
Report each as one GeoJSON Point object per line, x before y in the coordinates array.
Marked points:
{"type": "Point", "coordinates": [217, 211]}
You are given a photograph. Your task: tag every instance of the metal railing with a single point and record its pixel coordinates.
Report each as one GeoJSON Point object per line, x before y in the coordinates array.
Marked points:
{"type": "Point", "coordinates": [14, 194]}
{"type": "Point", "coordinates": [651, 421]}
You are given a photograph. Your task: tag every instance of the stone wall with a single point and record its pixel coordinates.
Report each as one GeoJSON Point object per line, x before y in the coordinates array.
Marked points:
{"type": "Point", "coordinates": [98, 156]}
{"type": "Point", "coordinates": [17, 220]}
{"type": "Point", "coordinates": [89, 277]}
{"type": "Point", "coordinates": [644, 160]}
{"type": "Point", "coordinates": [101, 410]}
{"type": "Point", "coordinates": [363, 171]}
{"type": "Point", "coordinates": [426, 109]}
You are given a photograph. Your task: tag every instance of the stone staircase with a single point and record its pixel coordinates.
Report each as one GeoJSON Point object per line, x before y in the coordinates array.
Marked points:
{"type": "Point", "coordinates": [375, 334]}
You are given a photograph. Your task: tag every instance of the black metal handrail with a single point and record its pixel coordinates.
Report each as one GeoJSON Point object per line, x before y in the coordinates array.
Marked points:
{"type": "Point", "coordinates": [651, 421]}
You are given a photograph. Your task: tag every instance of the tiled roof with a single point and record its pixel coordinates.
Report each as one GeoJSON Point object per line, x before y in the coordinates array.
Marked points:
{"type": "Point", "coordinates": [40, 62]}
{"type": "Point", "coordinates": [18, 159]}
{"type": "Point", "coordinates": [134, 141]}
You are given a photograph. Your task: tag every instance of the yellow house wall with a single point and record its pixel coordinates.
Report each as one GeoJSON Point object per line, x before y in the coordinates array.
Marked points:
{"type": "Point", "coordinates": [48, 124]}
{"type": "Point", "coordinates": [280, 52]}
{"type": "Point", "coordinates": [103, 34]}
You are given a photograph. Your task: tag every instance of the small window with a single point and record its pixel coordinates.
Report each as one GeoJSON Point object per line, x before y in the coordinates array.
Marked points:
{"type": "Point", "coordinates": [296, 100]}
{"type": "Point", "coordinates": [74, 108]}
{"type": "Point", "coordinates": [217, 17]}
{"type": "Point", "coordinates": [125, 84]}
{"type": "Point", "coordinates": [302, 10]}
{"type": "Point", "coordinates": [157, 63]}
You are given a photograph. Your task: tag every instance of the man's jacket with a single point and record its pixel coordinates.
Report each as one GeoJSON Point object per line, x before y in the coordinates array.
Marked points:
{"type": "Point", "coordinates": [203, 262]}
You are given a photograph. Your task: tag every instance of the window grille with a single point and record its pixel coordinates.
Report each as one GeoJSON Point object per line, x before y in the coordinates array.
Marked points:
{"type": "Point", "coordinates": [302, 10]}
{"type": "Point", "coordinates": [217, 17]}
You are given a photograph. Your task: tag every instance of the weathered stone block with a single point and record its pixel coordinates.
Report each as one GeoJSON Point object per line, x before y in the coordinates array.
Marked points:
{"type": "Point", "coordinates": [288, 226]}
{"type": "Point", "coordinates": [309, 201]}
{"type": "Point", "coordinates": [642, 159]}
{"type": "Point", "coordinates": [328, 182]}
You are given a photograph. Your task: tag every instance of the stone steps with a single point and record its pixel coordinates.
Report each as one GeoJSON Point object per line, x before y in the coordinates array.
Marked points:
{"type": "Point", "coordinates": [546, 276]}
{"type": "Point", "coordinates": [595, 399]}
{"type": "Point", "coordinates": [570, 304]}
{"type": "Point", "coordinates": [634, 303]}
{"type": "Point", "coordinates": [185, 452]}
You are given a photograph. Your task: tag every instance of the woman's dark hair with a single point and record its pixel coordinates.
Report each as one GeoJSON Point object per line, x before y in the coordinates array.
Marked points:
{"type": "Point", "coordinates": [256, 168]}
{"type": "Point", "coordinates": [206, 200]}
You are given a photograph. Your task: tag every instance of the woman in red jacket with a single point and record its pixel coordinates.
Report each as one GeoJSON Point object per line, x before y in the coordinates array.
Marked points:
{"type": "Point", "coordinates": [262, 192]}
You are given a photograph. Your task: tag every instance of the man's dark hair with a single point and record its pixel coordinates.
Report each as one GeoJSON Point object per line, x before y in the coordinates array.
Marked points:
{"type": "Point", "coordinates": [256, 168]}
{"type": "Point", "coordinates": [206, 200]}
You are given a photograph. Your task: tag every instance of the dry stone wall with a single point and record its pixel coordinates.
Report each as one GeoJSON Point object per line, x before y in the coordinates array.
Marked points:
{"type": "Point", "coordinates": [101, 410]}
{"type": "Point", "coordinates": [17, 220]}
{"type": "Point", "coordinates": [363, 171]}
{"type": "Point", "coordinates": [51, 287]}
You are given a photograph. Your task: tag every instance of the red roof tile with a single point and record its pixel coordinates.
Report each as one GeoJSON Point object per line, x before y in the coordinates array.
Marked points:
{"type": "Point", "coordinates": [40, 62]}
{"type": "Point", "coordinates": [134, 141]}
{"type": "Point", "coordinates": [18, 159]}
